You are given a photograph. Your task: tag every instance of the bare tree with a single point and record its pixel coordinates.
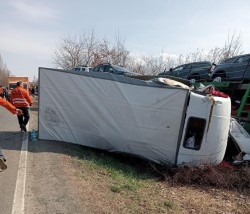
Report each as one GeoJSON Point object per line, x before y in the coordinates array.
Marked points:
{"type": "Point", "coordinates": [4, 72]}
{"type": "Point", "coordinates": [116, 53]}
{"type": "Point", "coordinates": [87, 50]}
{"type": "Point", "coordinates": [119, 53]}
{"type": "Point", "coordinates": [197, 56]}
{"type": "Point", "coordinates": [35, 80]}
{"type": "Point", "coordinates": [136, 66]}
{"type": "Point", "coordinates": [170, 62]}
{"type": "Point", "coordinates": [232, 47]}
{"type": "Point", "coordinates": [74, 51]}
{"type": "Point", "coordinates": [214, 55]}
{"type": "Point", "coordinates": [90, 43]}
{"type": "Point", "coordinates": [103, 52]}
{"type": "Point", "coordinates": [152, 65]}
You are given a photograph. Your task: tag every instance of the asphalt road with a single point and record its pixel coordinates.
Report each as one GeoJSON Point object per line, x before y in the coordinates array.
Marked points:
{"type": "Point", "coordinates": [38, 179]}
{"type": "Point", "coordinates": [10, 141]}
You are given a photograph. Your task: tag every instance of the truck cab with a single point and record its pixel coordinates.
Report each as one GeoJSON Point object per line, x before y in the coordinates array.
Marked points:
{"type": "Point", "coordinates": [13, 80]}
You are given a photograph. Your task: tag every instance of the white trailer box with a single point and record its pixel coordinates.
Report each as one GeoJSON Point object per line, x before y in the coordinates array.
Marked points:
{"type": "Point", "coordinates": [122, 114]}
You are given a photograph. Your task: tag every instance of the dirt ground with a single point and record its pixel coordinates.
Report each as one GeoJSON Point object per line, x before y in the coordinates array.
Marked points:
{"type": "Point", "coordinates": [156, 196]}
{"type": "Point", "coordinates": [59, 182]}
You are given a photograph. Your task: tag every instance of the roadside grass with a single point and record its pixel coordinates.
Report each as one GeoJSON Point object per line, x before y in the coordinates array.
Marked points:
{"type": "Point", "coordinates": [128, 171]}
{"type": "Point", "coordinates": [129, 178]}
{"type": "Point", "coordinates": [121, 169]}
{"type": "Point", "coordinates": [140, 186]}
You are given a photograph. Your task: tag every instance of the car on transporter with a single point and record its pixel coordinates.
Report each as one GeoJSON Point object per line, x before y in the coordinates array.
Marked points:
{"type": "Point", "coordinates": [191, 71]}
{"type": "Point", "coordinates": [83, 68]}
{"type": "Point", "coordinates": [114, 69]}
{"type": "Point", "coordinates": [236, 68]}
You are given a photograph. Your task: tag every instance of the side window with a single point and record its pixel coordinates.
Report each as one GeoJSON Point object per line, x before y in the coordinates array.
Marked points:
{"type": "Point", "coordinates": [244, 59]}
{"type": "Point", "coordinates": [101, 69]}
{"type": "Point", "coordinates": [196, 65]}
{"type": "Point", "coordinates": [178, 69]}
{"type": "Point", "coordinates": [239, 60]}
{"type": "Point", "coordinates": [96, 69]}
{"type": "Point", "coordinates": [83, 69]}
{"type": "Point", "coordinates": [194, 133]}
{"type": "Point", "coordinates": [230, 60]}
{"type": "Point", "coordinates": [109, 69]}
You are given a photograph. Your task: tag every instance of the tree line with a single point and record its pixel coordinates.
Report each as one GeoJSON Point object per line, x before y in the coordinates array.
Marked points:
{"type": "Point", "coordinates": [86, 49]}
{"type": "Point", "coordinates": [4, 72]}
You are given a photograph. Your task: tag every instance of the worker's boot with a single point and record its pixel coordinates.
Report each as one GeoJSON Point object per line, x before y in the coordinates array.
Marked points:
{"type": "Point", "coordinates": [23, 128]}
{"type": "Point", "coordinates": [3, 166]}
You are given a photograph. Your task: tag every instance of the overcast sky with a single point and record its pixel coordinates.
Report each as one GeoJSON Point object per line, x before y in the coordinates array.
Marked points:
{"type": "Point", "coordinates": [30, 29]}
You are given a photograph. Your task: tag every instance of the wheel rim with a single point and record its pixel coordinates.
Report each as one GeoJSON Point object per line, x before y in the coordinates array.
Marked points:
{"type": "Point", "coordinates": [217, 79]}
{"type": "Point", "coordinates": [192, 81]}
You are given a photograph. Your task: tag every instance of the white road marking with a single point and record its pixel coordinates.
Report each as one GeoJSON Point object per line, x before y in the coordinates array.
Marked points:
{"type": "Point", "coordinates": [19, 197]}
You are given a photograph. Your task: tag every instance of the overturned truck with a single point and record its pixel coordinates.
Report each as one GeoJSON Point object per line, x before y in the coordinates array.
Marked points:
{"type": "Point", "coordinates": [160, 120]}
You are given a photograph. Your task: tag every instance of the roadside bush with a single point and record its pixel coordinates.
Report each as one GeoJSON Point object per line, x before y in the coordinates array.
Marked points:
{"type": "Point", "coordinates": [211, 176]}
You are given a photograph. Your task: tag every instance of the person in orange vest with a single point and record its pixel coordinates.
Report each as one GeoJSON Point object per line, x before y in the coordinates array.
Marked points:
{"type": "Point", "coordinates": [21, 99]}
{"type": "Point", "coordinates": [13, 110]}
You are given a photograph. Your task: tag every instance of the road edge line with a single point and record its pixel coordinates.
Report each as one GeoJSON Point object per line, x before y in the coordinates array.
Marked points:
{"type": "Point", "coordinates": [19, 196]}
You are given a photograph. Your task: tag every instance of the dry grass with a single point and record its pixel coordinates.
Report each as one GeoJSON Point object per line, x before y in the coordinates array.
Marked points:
{"type": "Point", "coordinates": [123, 184]}
{"type": "Point", "coordinates": [207, 176]}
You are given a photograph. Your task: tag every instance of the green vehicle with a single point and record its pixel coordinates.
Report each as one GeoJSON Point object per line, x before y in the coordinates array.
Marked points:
{"type": "Point", "coordinates": [233, 69]}
{"type": "Point", "coordinates": [191, 71]}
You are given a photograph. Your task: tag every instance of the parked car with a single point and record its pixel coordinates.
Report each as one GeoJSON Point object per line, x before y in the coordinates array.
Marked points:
{"type": "Point", "coordinates": [193, 70]}
{"type": "Point", "coordinates": [82, 68]}
{"type": "Point", "coordinates": [235, 68]}
{"type": "Point", "coordinates": [115, 69]}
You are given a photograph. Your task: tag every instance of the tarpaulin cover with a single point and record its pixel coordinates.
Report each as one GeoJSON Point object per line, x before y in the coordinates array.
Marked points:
{"type": "Point", "coordinates": [111, 112]}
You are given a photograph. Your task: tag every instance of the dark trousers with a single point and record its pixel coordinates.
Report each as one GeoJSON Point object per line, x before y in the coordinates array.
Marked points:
{"type": "Point", "coordinates": [24, 119]}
